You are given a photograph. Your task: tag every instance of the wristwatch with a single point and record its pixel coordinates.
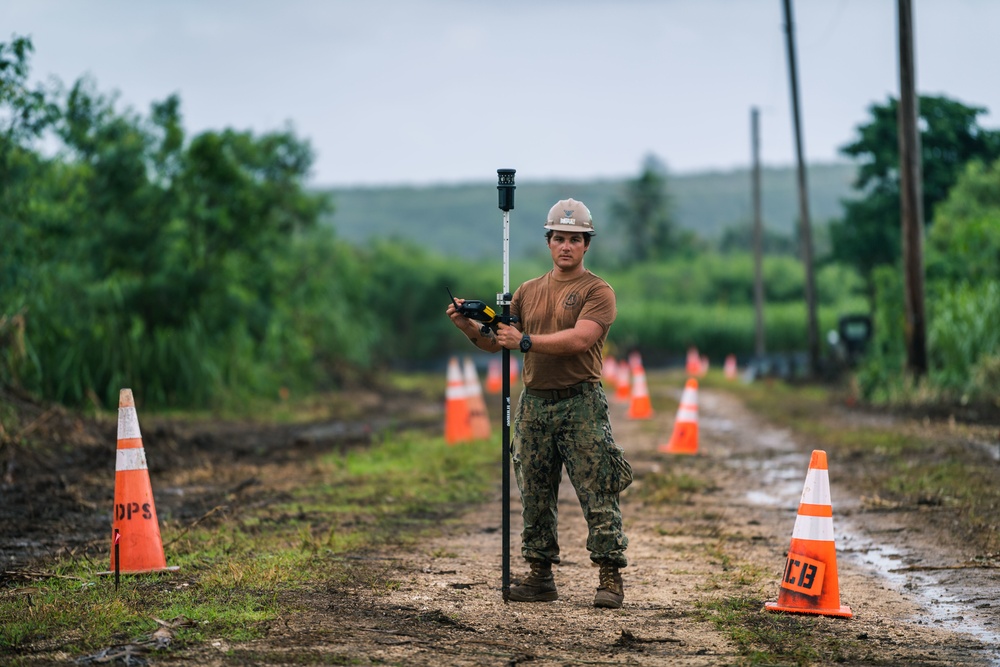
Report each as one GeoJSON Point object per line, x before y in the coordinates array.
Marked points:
{"type": "Point", "coordinates": [525, 342]}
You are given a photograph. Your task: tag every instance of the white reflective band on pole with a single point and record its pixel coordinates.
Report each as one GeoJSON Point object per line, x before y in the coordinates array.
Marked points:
{"type": "Point", "coordinates": [131, 459]}
{"type": "Point", "coordinates": [128, 424]}
{"type": "Point", "coordinates": [817, 487]}
{"type": "Point", "coordinates": [813, 528]}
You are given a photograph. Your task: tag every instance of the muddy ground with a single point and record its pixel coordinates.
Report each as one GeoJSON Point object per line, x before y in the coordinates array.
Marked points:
{"type": "Point", "coordinates": [919, 597]}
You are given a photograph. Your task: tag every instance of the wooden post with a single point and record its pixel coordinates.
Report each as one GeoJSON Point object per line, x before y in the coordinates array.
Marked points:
{"type": "Point", "coordinates": [805, 236]}
{"type": "Point", "coordinates": [758, 242]}
{"type": "Point", "coordinates": [911, 198]}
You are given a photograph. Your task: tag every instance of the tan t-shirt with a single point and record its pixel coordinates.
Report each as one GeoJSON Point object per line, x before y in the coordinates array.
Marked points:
{"type": "Point", "coordinates": [547, 305]}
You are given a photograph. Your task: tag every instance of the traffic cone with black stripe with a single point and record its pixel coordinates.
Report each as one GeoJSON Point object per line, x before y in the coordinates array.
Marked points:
{"type": "Point", "coordinates": [135, 528]}
{"type": "Point", "coordinates": [809, 583]}
{"type": "Point", "coordinates": [684, 439]}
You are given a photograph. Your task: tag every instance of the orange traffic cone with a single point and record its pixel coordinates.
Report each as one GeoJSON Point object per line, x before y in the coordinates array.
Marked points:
{"type": "Point", "coordinates": [135, 526]}
{"type": "Point", "coordinates": [640, 406]}
{"type": "Point", "coordinates": [685, 436]}
{"type": "Point", "coordinates": [479, 419]}
{"type": "Point", "coordinates": [730, 367]}
{"type": "Point", "coordinates": [693, 364]}
{"type": "Point", "coordinates": [494, 377]}
{"type": "Point", "coordinates": [609, 370]}
{"type": "Point", "coordinates": [623, 389]}
{"type": "Point", "coordinates": [809, 584]}
{"type": "Point", "coordinates": [515, 370]}
{"type": "Point", "coordinates": [457, 425]}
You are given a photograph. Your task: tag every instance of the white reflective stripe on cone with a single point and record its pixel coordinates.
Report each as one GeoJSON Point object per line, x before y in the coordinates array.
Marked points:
{"type": "Point", "coordinates": [130, 459]}
{"type": "Point", "coordinates": [818, 528]}
{"type": "Point", "coordinates": [128, 424]}
{"type": "Point", "coordinates": [687, 414]}
{"type": "Point", "coordinates": [817, 487]}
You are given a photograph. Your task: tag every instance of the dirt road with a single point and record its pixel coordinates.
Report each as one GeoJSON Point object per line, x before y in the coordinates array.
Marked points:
{"type": "Point", "coordinates": [713, 549]}
{"type": "Point", "coordinates": [706, 548]}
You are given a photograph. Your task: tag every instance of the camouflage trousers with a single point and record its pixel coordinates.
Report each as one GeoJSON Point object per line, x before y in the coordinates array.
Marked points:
{"type": "Point", "coordinates": [574, 432]}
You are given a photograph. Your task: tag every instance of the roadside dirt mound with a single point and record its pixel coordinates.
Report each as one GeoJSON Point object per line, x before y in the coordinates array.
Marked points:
{"type": "Point", "coordinates": [57, 488]}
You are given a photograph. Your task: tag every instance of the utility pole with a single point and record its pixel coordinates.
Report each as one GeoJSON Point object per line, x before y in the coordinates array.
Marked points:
{"type": "Point", "coordinates": [805, 231]}
{"type": "Point", "coordinates": [911, 198]}
{"type": "Point", "coordinates": [758, 241]}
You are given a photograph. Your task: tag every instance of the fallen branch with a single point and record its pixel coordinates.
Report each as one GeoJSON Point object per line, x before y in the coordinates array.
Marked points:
{"type": "Point", "coordinates": [196, 522]}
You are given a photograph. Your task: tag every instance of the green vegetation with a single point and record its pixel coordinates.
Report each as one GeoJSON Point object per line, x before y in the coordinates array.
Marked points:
{"type": "Point", "coordinates": [868, 235]}
{"type": "Point", "coordinates": [202, 272]}
{"type": "Point", "coordinates": [240, 568]}
{"type": "Point", "coordinates": [463, 221]}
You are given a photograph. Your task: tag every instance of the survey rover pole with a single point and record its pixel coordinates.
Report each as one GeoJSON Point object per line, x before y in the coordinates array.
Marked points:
{"type": "Point", "coordinates": [505, 190]}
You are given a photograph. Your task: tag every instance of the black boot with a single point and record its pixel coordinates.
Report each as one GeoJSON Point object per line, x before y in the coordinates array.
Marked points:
{"type": "Point", "coordinates": [538, 586]}
{"type": "Point", "coordinates": [610, 590]}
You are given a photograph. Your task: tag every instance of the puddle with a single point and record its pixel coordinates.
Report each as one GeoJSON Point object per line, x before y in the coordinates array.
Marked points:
{"type": "Point", "coordinates": [945, 601]}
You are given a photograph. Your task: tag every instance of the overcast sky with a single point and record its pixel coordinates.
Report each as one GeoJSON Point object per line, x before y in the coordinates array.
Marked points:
{"type": "Point", "coordinates": [447, 91]}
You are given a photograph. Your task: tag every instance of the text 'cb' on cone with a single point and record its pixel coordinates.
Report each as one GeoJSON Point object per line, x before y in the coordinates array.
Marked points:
{"type": "Point", "coordinates": [809, 583]}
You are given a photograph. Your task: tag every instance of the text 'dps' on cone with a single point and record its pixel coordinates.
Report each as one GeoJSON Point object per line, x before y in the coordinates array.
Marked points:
{"type": "Point", "coordinates": [640, 406]}
{"type": "Point", "coordinates": [479, 419]}
{"type": "Point", "coordinates": [684, 439]}
{"type": "Point", "coordinates": [140, 546]}
{"type": "Point", "coordinates": [809, 582]}
{"type": "Point", "coordinates": [457, 422]}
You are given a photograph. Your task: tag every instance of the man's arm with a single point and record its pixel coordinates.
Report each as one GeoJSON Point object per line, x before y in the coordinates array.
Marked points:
{"type": "Point", "coordinates": [567, 342]}
{"type": "Point", "coordinates": [472, 329]}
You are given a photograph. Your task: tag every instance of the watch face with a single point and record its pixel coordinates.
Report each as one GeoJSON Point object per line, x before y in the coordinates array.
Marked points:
{"type": "Point", "coordinates": [525, 344]}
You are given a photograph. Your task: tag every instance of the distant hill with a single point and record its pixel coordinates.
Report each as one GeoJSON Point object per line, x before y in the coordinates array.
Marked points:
{"type": "Point", "coordinates": [464, 218]}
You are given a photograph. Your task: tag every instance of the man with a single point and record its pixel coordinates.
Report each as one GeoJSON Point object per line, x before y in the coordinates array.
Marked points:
{"type": "Point", "coordinates": [562, 416]}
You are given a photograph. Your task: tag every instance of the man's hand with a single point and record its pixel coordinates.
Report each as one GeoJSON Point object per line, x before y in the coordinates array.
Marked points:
{"type": "Point", "coordinates": [471, 328]}
{"type": "Point", "coordinates": [508, 337]}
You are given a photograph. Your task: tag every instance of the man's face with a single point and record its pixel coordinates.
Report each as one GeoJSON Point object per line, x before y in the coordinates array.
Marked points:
{"type": "Point", "coordinates": [567, 249]}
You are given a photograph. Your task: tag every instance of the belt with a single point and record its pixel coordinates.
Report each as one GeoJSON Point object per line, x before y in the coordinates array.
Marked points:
{"type": "Point", "coordinates": [560, 394]}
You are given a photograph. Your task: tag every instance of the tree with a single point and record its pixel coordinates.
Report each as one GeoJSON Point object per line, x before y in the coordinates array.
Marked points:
{"type": "Point", "coordinates": [964, 244]}
{"type": "Point", "coordinates": [645, 214]}
{"type": "Point", "coordinates": [869, 233]}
